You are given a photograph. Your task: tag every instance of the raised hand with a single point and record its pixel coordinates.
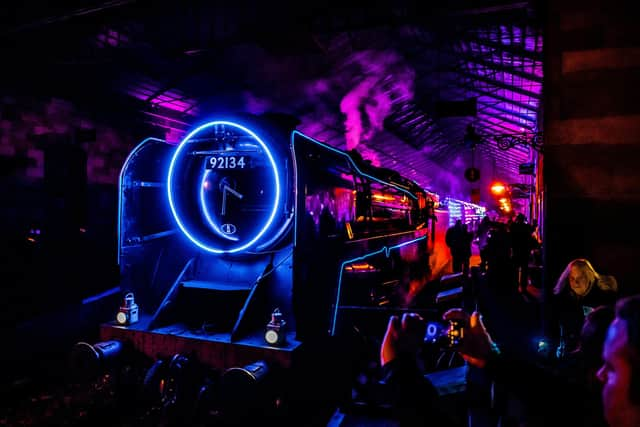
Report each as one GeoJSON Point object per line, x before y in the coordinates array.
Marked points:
{"type": "Point", "coordinates": [403, 337]}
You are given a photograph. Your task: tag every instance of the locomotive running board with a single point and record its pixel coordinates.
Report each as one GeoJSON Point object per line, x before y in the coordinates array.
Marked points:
{"type": "Point", "coordinates": [215, 349]}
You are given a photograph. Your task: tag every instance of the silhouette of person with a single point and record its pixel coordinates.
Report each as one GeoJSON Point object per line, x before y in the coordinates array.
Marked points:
{"type": "Point", "coordinates": [483, 233]}
{"type": "Point", "coordinates": [459, 241]}
{"type": "Point", "coordinates": [521, 245]}
{"type": "Point", "coordinates": [619, 373]}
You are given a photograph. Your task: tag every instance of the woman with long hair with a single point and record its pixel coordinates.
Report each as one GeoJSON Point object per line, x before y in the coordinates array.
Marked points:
{"type": "Point", "coordinates": [579, 289]}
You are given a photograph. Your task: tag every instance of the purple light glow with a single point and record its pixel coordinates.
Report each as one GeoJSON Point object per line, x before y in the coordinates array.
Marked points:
{"type": "Point", "coordinates": [111, 38]}
{"type": "Point", "coordinates": [256, 105]}
{"type": "Point", "coordinates": [382, 78]}
{"type": "Point", "coordinates": [370, 155]}
{"type": "Point", "coordinates": [152, 93]}
{"type": "Point", "coordinates": [316, 88]}
{"type": "Point", "coordinates": [174, 136]}
{"type": "Point", "coordinates": [508, 127]}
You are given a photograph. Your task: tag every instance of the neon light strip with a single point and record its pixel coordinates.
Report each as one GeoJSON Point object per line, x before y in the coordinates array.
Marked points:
{"type": "Point", "coordinates": [120, 185]}
{"type": "Point", "coordinates": [386, 251]}
{"type": "Point", "coordinates": [295, 191]}
{"type": "Point", "coordinates": [277, 234]}
{"type": "Point", "coordinates": [205, 211]}
{"type": "Point", "coordinates": [404, 190]}
{"type": "Point", "coordinates": [101, 295]}
{"type": "Point", "coordinates": [276, 200]}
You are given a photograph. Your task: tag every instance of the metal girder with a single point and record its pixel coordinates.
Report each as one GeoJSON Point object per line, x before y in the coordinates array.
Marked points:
{"type": "Point", "coordinates": [533, 55]}
{"type": "Point", "coordinates": [399, 123]}
{"type": "Point", "coordinates": [470, 55]}
{"type": "Point", "coordinates": [173, 83]}
{"type": "Point", "coordinates": [495, 96]}
{"type": "Point", "coordinates": [420, 139]}
{"type": "Point", "coordinates": [503, 118]}
{"type": "Point", "coordinates": [491, 127]}
{"type": "Point", "coordinates": [506, 111]}
{"type": "Point", "coordinates": [504, 161]}
{"type": "Point", "coordinates": [508, 166]}
{"type": "Point", "coordinates": [444, 152]}
{"type": "Point", "coordinates": [501, 67]}
{"type": "Point", "coordinates": [427, 134]}
{"type": "Point", "coordinates": [402, 114]}
{"type": "Point", "coordinates": [500, 84]}
{"type": "Point", "coordinates": [394, 158]}
{"type": "Point", "coordinates": [491, 154]}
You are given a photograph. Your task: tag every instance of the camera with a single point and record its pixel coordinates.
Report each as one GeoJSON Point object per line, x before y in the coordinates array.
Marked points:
{"type": "Point", "coordinates": [447, 335]}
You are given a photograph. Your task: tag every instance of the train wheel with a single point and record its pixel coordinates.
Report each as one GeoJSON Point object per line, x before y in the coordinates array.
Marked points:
{"type": "Point", "coordinates": [153, 384]}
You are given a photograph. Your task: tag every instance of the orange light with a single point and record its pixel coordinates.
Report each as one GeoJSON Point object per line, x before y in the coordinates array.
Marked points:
{"type": "Point", "coordinates": [382, 197]}
{"type": "Point", "coordinates": [498, 188]}
{"type": "Point", "coordinates": [365, 266]}
{"type": "Point", "coordinates": [349, 231]}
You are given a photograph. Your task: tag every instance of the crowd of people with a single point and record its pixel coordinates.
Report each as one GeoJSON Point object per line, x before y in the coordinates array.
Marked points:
{"type": "Point", "coordinates": [506, 249]}
{"type": "Point", "coordinates": [594, 379]}
{"type": "Point", "coordinates": [601, 387]}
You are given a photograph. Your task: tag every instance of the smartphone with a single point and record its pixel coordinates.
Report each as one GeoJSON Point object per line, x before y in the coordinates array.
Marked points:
{"type": "Point", "coordinates": [444, 334]}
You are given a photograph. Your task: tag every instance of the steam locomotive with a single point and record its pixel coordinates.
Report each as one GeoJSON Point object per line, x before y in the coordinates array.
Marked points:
{"type": "Point", "coordinates": [249, 240]}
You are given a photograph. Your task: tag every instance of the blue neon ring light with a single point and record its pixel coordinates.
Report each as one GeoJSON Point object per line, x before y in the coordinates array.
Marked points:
{"type": "Point", "coordinates": [276, 200]}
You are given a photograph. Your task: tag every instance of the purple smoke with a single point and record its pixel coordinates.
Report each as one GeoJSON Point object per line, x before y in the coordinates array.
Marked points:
{"type": "Point", "coordinates": [378, 79]}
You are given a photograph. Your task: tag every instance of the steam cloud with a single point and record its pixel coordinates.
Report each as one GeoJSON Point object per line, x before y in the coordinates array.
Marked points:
{"type": "Point", "coordinates": [379, 78]}
{"type": "Point", "coordinates": [346, 104]}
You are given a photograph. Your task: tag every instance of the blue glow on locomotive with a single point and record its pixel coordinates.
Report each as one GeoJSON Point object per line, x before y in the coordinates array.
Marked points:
{"type": "Point", "coordinates": [355, 166]}
{"type": "Point", "coordinates": [120, 189]}
{"type": "Point", "coordinates": [385, 250]}
{"type": "Point", "coordinates": [373, 178]}
{"type": "Point", "coordinates": [273, 205]}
